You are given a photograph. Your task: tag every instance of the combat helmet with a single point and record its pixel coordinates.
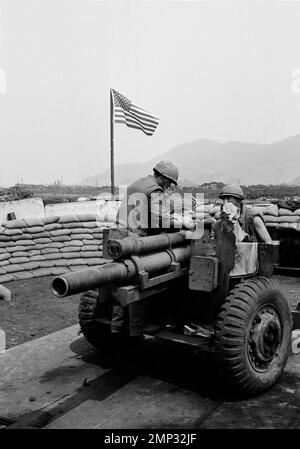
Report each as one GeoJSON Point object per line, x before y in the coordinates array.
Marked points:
{"type": "Point", "coordinates": [232, 190]}
{"type": "Point", "coordinates": [168, 170]}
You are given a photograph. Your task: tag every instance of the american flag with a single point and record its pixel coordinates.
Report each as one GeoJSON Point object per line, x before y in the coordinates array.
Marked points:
{"type": "Point", "coordinates": [132, 115]}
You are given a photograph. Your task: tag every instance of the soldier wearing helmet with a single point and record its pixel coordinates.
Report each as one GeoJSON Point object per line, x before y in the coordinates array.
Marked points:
{"type": "Point", "coordinates": [249, 224]}
{"type": "Point", "coordinates": [143, 211]}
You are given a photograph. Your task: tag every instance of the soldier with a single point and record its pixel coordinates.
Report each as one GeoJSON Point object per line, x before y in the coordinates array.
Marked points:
{"type": "Point", "coordinates": [250, 224]}
{"type": "Point", "coordinates": [144, 211]}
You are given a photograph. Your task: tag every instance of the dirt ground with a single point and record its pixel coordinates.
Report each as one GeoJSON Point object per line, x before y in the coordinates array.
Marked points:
{"type": "Point", "coordinates": [34, 311]}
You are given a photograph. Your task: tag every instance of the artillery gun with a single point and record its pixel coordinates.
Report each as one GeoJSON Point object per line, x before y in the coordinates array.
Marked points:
{"type": "Point", "coordinates": [223, 285]}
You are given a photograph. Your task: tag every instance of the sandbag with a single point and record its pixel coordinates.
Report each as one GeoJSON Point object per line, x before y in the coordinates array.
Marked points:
{"type": "Point", "coordinates": [288, 219]}
{"type": "Point", "coordinates": [30, 265]}
{"type": "Point", "coordinates": [289, 226]}
{"type": "Point", "coordinates": [68, 219]}
{"type": "Point", "coordinates": [33, 252]}
{"type": "Point", "coordinates": [37, 258]}
{"type": "Point", "coordinates": [16, 238]}
{"type": "Point", "coordinates": [56, 271]}
{"type": "Point", "coordinates": [6, 278]}
{"type": "Point", "coordinates": [75, 243]}
{"type": "Point", "coordinates": [88, 254]}
{"type": "Point", "coordinates": [97, 241]}
{"type": "Point", "coordinates": [25, 242]}
{"type": "Point", "coordinates": [9, 232]}
{"type": "Point", "coordinates": [14, 224]}
{"type": "Point", "coordinates": [84, 237]}
{"type": "Point", "coordinates": [284, 212]}
{"type": "Point", "coordinates": [5, 238]}
{"type": "Point", "coordinates": [270, 219]}
{"type": "Point", "coordinates": [14, 260]}
{"type": "Point", "coordinates": [272, 225]}
{"type": "Point", "coordinates": [297, 212]}
{"type": "Point", "coordinates": [32, 222]}
{"type": "Point", "coordinates": [41, 272]}
{"type": "Point", "coordinates": [61, 238]}
{"type": "Point", "coordinates": [70, 255]}
{"type": "Point", "coordinates": [33, 230]}
{"type": "Point", "coordinates": [41, 246]}
{"type": "Point", "coordinates": [94, 230]}
{"type": "Point", "coordinates": [89, 248]}
{"type": "Point", "coordinates": [5, 256]}
{"type": "Point", "coordinates": [22, 275]}
{"type": "Point", "coordinates": [52, 226]}
{"type": "Point", "coordinates": [98, 235]}
{"type": "Point", "coordinates": [40, 235]}
{"type": "Point", "coordinates": [20, 254]}
{"type": "Point", "coordinates": [68, 249]}
{"type": "Point", "coordinates": [47, 263]}
{"type": "Point", "coordinates": [271, 210]}
{"type": "Point", "coordinates": [95, 261]}
{"type": "Point", "coordinates": [43, 240]}
{"type": "Point", "coordinates": [2, 271]}
{"type": "Point", "coordinates": [81, 231]}
{"type": "Point", "coordinates": [87, 241]}
{"type": "Point", "coordinates": [49, 250]}
{"type": "Point", "coordinates": [55, 245]}
{"type": "Point", "coordinates": [7, 244]}
{"type": "Point", "coordinates": [13, 249]}
{"type": "Point", "coordinates": [52, 256]}
{"type": "Point", "coordinates": [89, 224]}
{"type": "Point", "coordinates": [13, 268]}
{"type": "Point", "coordinates": [3, 263]}
{"type": "Point", "coordinates": [62, 263]}
{"type": "Point", "coordinates": [71, 225]}
{"type": "Point", "coordinates": [50, 219]}
{"type": "Point", "coordinates": [60, 232]}
{"type": "Point", "coordinates": [77, 262]}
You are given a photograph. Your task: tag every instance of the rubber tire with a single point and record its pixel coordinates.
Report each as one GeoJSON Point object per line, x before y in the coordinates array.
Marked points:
{"type": "Point", "coordinates": [96, 333]}
{"type": "Point", "coordinates": [232, 329]}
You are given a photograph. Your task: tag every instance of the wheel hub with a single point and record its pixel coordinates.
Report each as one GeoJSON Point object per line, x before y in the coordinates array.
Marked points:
{"type": "Point", "coordinates": [265, 337]}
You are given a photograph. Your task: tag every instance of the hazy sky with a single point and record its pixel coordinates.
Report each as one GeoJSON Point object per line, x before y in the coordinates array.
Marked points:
{"type": "Point", "coordinates": [212, 69]}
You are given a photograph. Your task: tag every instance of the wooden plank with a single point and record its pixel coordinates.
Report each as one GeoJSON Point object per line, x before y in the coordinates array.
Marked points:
{"type": "Point", "coordinates": [41, 371]}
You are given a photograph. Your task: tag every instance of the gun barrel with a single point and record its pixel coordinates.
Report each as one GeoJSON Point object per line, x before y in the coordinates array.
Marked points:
{"type": "Point", "coordinates": [116, 273]}
{"type": "Point", "coordinates": [121, 248]}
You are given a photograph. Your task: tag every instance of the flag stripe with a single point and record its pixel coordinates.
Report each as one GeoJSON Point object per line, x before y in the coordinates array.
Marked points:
{"type": "Point", "coordinates": [144, 117]}
{"type": "Point", "coordinates": [135, 125]}
{"type": "Point", "coordinates": [125, 117]}
{"type": "Point", "coordinates": [129, 117]}
{"type": "Point", "coordinates": [130, 125]}
{"type": "Point", "coordinates": [142, 112]}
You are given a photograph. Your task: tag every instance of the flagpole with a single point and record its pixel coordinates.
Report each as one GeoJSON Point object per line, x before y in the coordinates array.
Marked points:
{"type": "Point", "coordinates": [112, 175]}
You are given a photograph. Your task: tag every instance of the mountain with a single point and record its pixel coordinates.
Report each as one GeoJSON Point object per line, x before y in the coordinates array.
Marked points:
{"type": "Point", "coordinates": [231, 162]}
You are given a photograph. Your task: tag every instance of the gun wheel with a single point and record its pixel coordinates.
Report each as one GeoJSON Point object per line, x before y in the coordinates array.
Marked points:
{"type": "Point", "coordinates": [253, 336]}
{"type": "Point", "coordinates": [90, 309]}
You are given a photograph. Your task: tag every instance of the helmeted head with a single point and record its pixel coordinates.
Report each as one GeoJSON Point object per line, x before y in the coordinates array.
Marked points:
{"type": "Point", "coordinates": [167, 170]}
{"type": "Point", "coordinates": [233, 191]}
{"type": "Point", "coordinates": [232, 196]}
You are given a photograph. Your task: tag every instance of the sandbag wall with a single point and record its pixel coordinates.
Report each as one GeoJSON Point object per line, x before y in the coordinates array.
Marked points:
{"type": "Point", "coordinates": [276, 217]}
{"type": "Point", "coordinates": [50, 246]}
